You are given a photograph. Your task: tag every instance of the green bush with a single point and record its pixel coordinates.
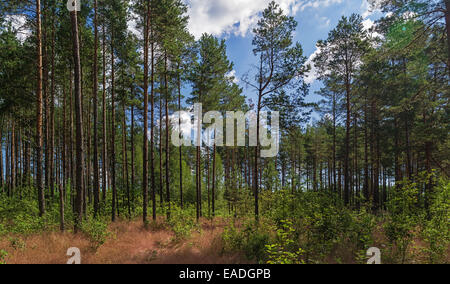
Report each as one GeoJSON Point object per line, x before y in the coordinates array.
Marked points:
{"type": "Point", "coordinates": [96, 230]}
{"type": "Point", "coordinates": [182, 222]}
{"type": "Point", "coordinates": [251, 240]}
{"type": "Point", "coordinates": [436, 231]}
{"type": "Point", "coordinates": [403, 219]}
{"type": "Point", "coordinates": [3, 255]}
{"type": "Point", "coordinates": [285, 250]}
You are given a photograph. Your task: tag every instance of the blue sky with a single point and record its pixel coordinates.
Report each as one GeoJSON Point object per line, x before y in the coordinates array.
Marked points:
{"type": "Point", "coordinates": [233, 20]}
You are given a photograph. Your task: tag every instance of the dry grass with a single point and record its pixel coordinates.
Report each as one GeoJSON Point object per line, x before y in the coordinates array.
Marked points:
{"type": "Point", "coordinates": [130, 243]}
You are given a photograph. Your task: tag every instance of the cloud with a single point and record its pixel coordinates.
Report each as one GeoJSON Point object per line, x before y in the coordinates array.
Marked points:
{"type": "Point", "coordinates": [232, 75]}
{"type": "Point", "coordinates": [312, 76]}
{"type": "Point", "coordinates": [238, 17]}
{"type": "Point", "coordinates": [368, 24]}
{"type": "Point", "coordinates": [18, 24]}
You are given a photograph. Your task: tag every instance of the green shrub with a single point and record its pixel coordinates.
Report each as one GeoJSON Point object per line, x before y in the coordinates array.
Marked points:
{"type": "Point", "coordinates": [436, 231]}
{"type": "Point", "coordinates": [251, 240]}
{"type": "Point", "coordinates": [96, 230]}
{"type": "Point", "coordinates": [255, 241]}
{"type": "Point", "coordinates": [232, 239]}
{"type": "Point", "coordinates": [182, 222]}
{"type": "Point", "coordinates": [402, 220]}
{"type": "Point", "coordinates": [285, 250]}
{"type": "Point", "coordinates": [3, 255]}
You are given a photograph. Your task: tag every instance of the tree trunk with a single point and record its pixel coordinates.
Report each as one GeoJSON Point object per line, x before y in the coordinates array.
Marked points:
{"type": "Point", "coordinates": [95, 110]}
{"type": "Point", "coordinates": [125, 158]}
{"type": "Point", "coordinates": [113, 136]}
{"type": "Point", "coordinates": [39, 118]}
{"type": "Point", "coordinates": [61, 208]}
{"type": "Point", "coordinates": [213, 198]}
{"type": "Point", "coordinates": [145, 118]}
{"type": "Point", "coordinates": [104, 138]}
{"type": "Point", "coordinates": [79, 123]}
{"type": "Point", "coordinates": [152, 126]}
{"type": "Point", "coordinates": [166, 83]}
{"type": "Point", "coordinates": [180, 150]}
{"type": "Point", "coordinates": [447, 25]}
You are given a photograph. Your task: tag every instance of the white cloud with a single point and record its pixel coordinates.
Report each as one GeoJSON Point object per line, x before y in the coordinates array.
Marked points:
{"type": "Point", "coordinates": [18, 24]}
{"type": "Point", "coordinates": [232, 75]}
{"type": "Point", "coordinates": [368, 24]}
{"type": "Point", "coordinates": [370, 7]}
{"type": "Point", "coordinates": [238, 17]}
{"type": "Point", "coordinates": [312, 75]}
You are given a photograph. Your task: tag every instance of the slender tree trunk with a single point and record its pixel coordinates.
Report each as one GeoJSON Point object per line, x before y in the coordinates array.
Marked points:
{"type": "Point", "coordinates": [79, 123]}
{"type": "Point", "coordinates": [104, 138]}
{"type": "Point", "coordinates": [113, 135]}
{"type": "Point", "coordinates": [61, 208]}
{"type": "Point", "coordinates": [166, 83]}
{"type": "Point", "coordinates": [39, 118]}
{"type": "Point", "coordinates": [13, 158]}
{"type": "Point", "coordinates": [52, 113]}
{"type": "Point", "coordinates": [256, 170]}
{"type": "Point", "coordinates": [152, 126]}
{"type": "Point", "coordinates": [213, 198]}
{"type": "Point", "coordinates": [180, 148]}
{"type": "Point", "coordinates": [447, 25]}
{"type": "Point", "coordinates": [347, 147]}
{"type": "Point", "coordinates": [133, 182]}
{"type": "Point", "coordinates": [95, 102]}
{"type": "Point", "coordinates": [125, 158]}
{"type": "Point", "coordinates": [1, 157]}
{"type": "Point", "coordinates": [145, 117]}
{"type": "Point", "coordinates": [161, 196]}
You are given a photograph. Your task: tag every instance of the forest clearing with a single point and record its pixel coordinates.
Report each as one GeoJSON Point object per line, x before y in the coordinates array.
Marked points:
{"type": "Point", "coordinates": [218, 132]}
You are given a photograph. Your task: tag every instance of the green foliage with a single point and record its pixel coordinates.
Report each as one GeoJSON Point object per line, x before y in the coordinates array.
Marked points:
{"type": "Point", "coordinates": [403, 219]}
{"type": "Point", "coordinates": [3, 255]}
{"type": "Point", "coordinates": [250, 239]}
{"type": "Point", "coordinates": [96, 230]}
{"type": "Point", "coordinates": [17, 243]}
{"type": "Point", "coordinates": [436, 231]}
{"type": "Point", "coordinates": [182, 222]}
{"type": "Point", "coordinates": [285, 250]}
{"type": "Point", "coordinates": [21, 216]}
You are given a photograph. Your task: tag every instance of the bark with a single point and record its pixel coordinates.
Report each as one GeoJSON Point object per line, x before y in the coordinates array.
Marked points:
{"type": "Point", "coordinates": [133, 182]}
{"type": "Point", "coordinates": [125, 158]}
{"type": "Point", "coordinates": [166, 83]}
{"type": "Point", "coordinates": [95, 111]}
{"type": "Point", "coordinates": [79, 123]}
{"type": "Point", "coordinates": [52, 114]}
{"type": "Point", "coordinates": [104, 138]}
{"type": "Point", "coordinates": [447, 25]}
{"type": "Point", "coordinates": [113, 136]}
{"type": "Point", "coordinates": [1, 158]}
{"type": "Point", "coordinates": [145, 117]}
{"type": "Point", "coordinates": [13, 159]}
{"type": "Point", "coordinates": [161, 196]}
{"type": "Point", "coordinates": [39, 118]}
{"type": "Point", "coordinates": [213, 198]}
{"type": "Point", "coordinates": [152, 126]}
{"type": "Point", "coordinates": [61, 208]}
{"type": "Point", "coordinates": [180, 152]}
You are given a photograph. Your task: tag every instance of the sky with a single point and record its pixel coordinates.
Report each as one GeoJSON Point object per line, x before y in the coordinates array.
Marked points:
{"type": "Point", "coordinates": [234, 20]}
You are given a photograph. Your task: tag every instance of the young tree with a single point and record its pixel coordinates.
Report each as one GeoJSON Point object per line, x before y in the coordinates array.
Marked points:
{"type": "Point", "coordinates": [281, 65]}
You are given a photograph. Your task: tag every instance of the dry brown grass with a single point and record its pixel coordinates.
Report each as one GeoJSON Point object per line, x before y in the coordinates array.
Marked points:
{"type": "Point", "coordinates": [130, 243]}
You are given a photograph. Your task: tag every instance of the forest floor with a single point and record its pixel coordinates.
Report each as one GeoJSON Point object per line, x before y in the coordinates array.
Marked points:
{"type": "Point", "coordinates": [129, 243]}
